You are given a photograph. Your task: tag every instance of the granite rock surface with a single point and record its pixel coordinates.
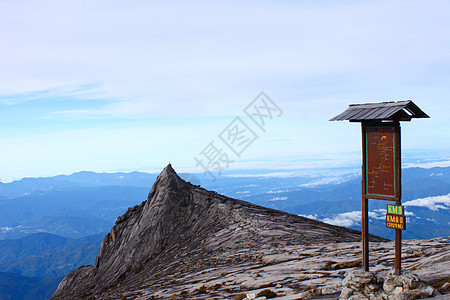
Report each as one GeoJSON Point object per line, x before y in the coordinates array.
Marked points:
{"type": "Point", "coordinates": [185, 242]}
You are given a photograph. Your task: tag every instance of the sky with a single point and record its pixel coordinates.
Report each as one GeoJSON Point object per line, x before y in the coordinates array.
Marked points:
{"type": "Point", "coordinates": [130, 86]}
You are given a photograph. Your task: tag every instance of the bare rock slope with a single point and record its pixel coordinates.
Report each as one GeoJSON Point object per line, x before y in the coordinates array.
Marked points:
{"type": "Point", "coordinates": [187, 242]}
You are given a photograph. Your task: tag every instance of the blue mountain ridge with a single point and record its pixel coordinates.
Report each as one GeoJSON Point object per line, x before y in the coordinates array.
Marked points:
{"type": "Point", "coordinates": [87, 203]}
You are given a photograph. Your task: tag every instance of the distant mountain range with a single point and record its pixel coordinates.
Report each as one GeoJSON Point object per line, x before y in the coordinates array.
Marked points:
{"type": "Point", "coordinates": [88, 203]}
{"type": "Point", "coordinates": [16, 287]}
{"type": "Point", "coordinates": [32, 267]}
{"type": "Point", "coordinates": [47, 255]}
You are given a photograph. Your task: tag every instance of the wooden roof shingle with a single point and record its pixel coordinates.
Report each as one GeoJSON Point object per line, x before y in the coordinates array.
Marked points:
{"type": "Point", "coordinates": [399, 111]}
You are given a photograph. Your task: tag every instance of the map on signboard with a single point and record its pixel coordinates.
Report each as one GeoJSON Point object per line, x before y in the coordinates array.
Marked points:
{"type": "Point", "coordinates": [380, 161]}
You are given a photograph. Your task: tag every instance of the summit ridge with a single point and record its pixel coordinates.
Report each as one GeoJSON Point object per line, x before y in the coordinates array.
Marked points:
{"type": "Point", "coordinates": [181, 230]}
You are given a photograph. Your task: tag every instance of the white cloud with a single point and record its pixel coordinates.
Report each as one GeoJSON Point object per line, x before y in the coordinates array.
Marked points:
{"type": "Point", "coordinates": [314, 217]}
{"type": "Point", "coordinates": [5, 229]}
{"type": "Point", "coordinates": [330, 180]}
{"type": "Point", "coordinates": [286, 174]}
{"type": "Point", "coordinates": [279, 199]}
{"type": "Point", "coordinates": [353, 218]}
{"type": "Point", "coordinates": [318, 169]}
{"type": "Point", "coordinates": [429, 165]}
{"type": "Point", "coordinates": [347, 219]}
{"type": "Point", "coordinates": [276, 191]}
{"type": "Point", "coordinates": [157, 57]}
{"type": "Point", "coordinates": [437, 174]}
{"type": "Point", "coordinates": [379, 214]}
{"type": "Point", "coordinates": [433, 203]}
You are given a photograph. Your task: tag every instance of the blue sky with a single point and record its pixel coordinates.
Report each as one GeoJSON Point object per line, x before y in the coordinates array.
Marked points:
{"type": "Point", "coordinates": [111, 86]}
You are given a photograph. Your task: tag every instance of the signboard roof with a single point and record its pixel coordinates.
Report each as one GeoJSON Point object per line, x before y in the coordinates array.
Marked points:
{"type": "Point", "coordinates": [400, 111]}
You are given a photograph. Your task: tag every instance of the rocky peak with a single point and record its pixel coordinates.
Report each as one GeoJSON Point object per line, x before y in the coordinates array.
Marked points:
{"type": "Point", "coordinates": [144, 230]}
{"type": "Point", "coordinates": [184, 228]}
{"type": "Point", "coordinates": [168, 178]}
{"type": "Point", "coordinates": [167, 190]}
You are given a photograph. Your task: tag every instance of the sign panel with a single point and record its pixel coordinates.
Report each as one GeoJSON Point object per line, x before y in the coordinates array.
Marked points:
{"type": "Point", "coordinates": [395, 209]}
{"type": "Point", "coordinates": [395, 221]}
{"type": "Point", "coordinates": [380, 177]}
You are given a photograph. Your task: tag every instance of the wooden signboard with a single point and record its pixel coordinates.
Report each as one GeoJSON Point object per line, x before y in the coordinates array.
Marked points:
{"type": "Point", "coordinates": [382, 161]}
{"type": "Point", "coordinates": [381, 179]}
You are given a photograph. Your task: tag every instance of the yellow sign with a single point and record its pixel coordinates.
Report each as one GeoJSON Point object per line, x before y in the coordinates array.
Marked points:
{"type": "Point", "coordinates": [395, 221]}
{"type": "Point", "coordinates": [395, 209]}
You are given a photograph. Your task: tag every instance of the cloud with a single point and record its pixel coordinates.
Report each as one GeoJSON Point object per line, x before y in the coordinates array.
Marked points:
{"type": "Point", "coordinates": [314, 217]}
{"type": "Point", "coordinates": [330, 180]}
{"type": "Point", "coordinates": [428, 165]}
{"type": "Point", "coordinates": [379, 214]}
{"type": "Point", "coordinates": [279, 198]}
{"type": "Point", "coordinates": [433, 203]}
{"type": "Point", "coordinates": [5, 229]}
{"type": "Point", "coordinates": [325, 172]}
{"type": "Point", "coordinates": [437, 174]}
{"type": "Point", "coordinates": [347, 219]}
{"type": "Point", "coordinates": [161, 59]}
{"type": "Point", "coordinates": [353, 218]}
{"type": "Point", "coordinates": [286, 174]}
{"type": "Point", "coordinates": [276, 191]}
{"type": "Point", "coordinates": [73, 92]}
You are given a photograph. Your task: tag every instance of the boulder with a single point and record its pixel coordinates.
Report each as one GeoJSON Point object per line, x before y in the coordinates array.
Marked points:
{"type": "Point", "coordinates": [359, 284]}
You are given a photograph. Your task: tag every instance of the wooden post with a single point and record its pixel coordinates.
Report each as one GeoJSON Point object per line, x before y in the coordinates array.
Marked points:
{"type": "Point", "coordinates": [364, 207]}
{"type": "Point", "coordinates": [365, 233]}
{"type": "Point", "coordinates": [398, 232]}
{"type": "Point", "coordinates": [398, 252]}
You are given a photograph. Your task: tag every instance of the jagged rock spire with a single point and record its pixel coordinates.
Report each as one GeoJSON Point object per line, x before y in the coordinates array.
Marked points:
{"type": "Point", "coordinates": [167, 179]}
